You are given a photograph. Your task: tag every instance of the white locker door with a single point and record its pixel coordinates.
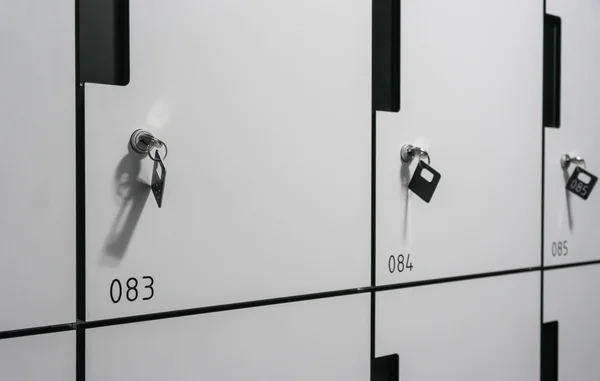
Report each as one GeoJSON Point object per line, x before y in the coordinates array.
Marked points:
{"type": "Point", "coordinates": [326, 340]}
{"type": "Point", "coordinates": [265, 107]}
{"type": "Point", "coordinates": [570, 220]}
{"type": "Point", "coordinates": [486, 329]}
{"type": "Point", "coordinates": [49, 357]}
{"type": "Point", "coordinates": [571, 299]}
{"type": "Point", "coordinates": [471, 96]}
{"type": "Point", "coordinates": [37, 117]}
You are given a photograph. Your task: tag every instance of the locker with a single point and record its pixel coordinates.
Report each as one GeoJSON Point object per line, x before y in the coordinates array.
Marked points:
{"type": "Point", "coordinates": [313, 340]}
{"type": "Point", "coordinates": [570, 221]}
{"type": "Point", "coordinates": [471, 97]}
{"type": "Point", "coordinates": [572, 311]}
{"type": "Point", "coordinates": [37, 113]}
{"type": "Point", "coordinates": [265, 108]}
{"type": "Point", "coordinates": [485, 329]}
{"type": "Point", "coordinates": [48, 357]}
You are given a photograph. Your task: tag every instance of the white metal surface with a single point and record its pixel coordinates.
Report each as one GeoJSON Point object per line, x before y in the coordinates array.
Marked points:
{"type": "Point", "coordinates": [471, 95]}
{"type": "Point", "coordinates": [567, 216]}
{"type": "Point", "coordinates": [37, 119]}
{"type": "Point", "coordinates": [571, 298]}
{"type": "Point", "coordinates": [316, 340]}
{"type": "Point", "coordinates": [265, 107]}
{"type": "Point", "coordinates": [486, 329]}
{"type": "Point", "coordinates": [49, 357]}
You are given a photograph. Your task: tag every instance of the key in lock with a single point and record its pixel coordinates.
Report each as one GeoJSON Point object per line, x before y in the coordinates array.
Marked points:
{"type": "Point", "coordinates": [581, 181]}
{"type": "Point", "coordinates": [425, 179]}
{"type": "Point", "coordinates": [143, 142]}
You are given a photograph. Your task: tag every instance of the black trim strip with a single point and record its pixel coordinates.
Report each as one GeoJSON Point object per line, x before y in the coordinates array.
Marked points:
{"type": "Point", "coordinates": [576, 264]}
{"type": "Point", "coordinates": [221, 308]}
{"type": "Point", "coordinates": [36, 331]}
{"type": "Point", "coordinates": [80, 256]}
{"type": "Point", "coordinates": [80, 354]}
{"type": "Point", "coordinates": [543, 211]}
{"type": "Point", "coordinates": [282, 300]}
{"type": "Point", "coordinates": [80, 267]}
{"type": "Point", "coordinates": [459, 278]}
{"type": "Point", "coordinates": [373, 235]}
{"type": "Point", "coordinates": [298, 298]}
{"type": "Point", "coordinates": [373, 333]}
{"type": "Point", "coordinates": [267, 302]}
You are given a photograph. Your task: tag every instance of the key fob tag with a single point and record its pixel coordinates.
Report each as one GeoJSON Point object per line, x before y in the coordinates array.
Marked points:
{"type": "Point", "coordinates": [159, 173]}
{"type": "Point", "coordinates": [581, 183]}
{"type": "Point", "coordinates": [424, 181]}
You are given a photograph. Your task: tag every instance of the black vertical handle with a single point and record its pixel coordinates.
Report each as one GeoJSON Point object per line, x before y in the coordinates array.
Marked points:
{"type": "Point", "coordinates": [552, 57]}
{"type": "Point", "coordinates": [386, 55]}
{"type": "Point", "coordinates": [387, 368]}
{"type": "Point", "coordinates": [550, 351]}
{"type": "Point", "coordinates": [103, 41]}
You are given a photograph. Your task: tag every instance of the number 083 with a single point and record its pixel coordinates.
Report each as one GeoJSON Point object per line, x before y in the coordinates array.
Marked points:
{"type": "Point", "coordinates": [131, 293]}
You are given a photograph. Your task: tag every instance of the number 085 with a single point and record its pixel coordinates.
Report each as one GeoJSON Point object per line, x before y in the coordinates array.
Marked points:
{"type": "Point", "coordinates": [579, 187]}
{"type": "Point", "coordinates": [559, 248]}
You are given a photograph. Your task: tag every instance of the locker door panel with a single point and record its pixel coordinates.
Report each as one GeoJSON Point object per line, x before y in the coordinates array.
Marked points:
{"type": "Point", "coordinates": [315, 340]}
{"type": "Point", "coordinates": [37, 110]}
{"type": "Point", "coordinates": [570, 298]}
{"type": "Point", "coordinates": [486, 329]}
{"type": "Point", "coordinates": [49, 357]}
{"type": "Point", "coordinates": [569, 218]}
{"type": "Point", "coordinates": [471, 90]}
{"type": "Point", "coordinates": [265, 109]}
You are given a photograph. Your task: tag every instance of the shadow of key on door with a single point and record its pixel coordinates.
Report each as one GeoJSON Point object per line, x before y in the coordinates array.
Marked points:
{"type": "Point", "coordinates": [132, 194]}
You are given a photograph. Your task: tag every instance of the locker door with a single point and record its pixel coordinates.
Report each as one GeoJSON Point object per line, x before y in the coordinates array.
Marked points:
{"type": "Point", "coordinates": [37, 116]}
{"type": "Point", "coordinates": [471, 96]}
{"type": "Point", "coordinates": [49, 357]}
{"type": "Point", "coordinates": [571, 304]}
{"type": "Point", "coordinates": [570, 220]}
{"type": "Point", "coordinates": [316, 340]}
{"type": "Point", "coordinates": [486, 329]}
{"type": "Point", "coordinates": [265, 109]}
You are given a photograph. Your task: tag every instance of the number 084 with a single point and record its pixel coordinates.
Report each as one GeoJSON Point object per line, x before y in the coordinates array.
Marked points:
{"type": "Point", "coordinates": [399, 263]}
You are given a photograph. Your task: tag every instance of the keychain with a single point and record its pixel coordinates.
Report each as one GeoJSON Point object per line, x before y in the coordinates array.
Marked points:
{"type": "Point", "coordinates": [422, 186]}
{"type": "Point", "coordinates": [144, 142]}
{"type": "Point", "coordinates": [581, 181]}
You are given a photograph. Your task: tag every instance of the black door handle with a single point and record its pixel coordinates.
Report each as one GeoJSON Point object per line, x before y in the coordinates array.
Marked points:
{"type": "Point", "coordinates": [103, 41]}
{"type": "Point", "coordinates": [386, 55]}
{"type": "Point", "coordinates": [552, 57]}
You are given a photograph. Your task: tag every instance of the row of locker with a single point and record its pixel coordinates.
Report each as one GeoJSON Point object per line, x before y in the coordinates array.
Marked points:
{"type": "Point", "coordinates": [469, 330]}
{"type": "Point", "coordinates": [268, 122]}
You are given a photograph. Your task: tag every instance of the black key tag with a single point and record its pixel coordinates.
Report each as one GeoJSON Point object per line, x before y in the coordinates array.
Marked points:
{"type": "Point", "coordinates": [581, 183]}
{"type": "Point", "coordinates": [424, 181]}
{"type": "Point", "coordinates": [159, 173]}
